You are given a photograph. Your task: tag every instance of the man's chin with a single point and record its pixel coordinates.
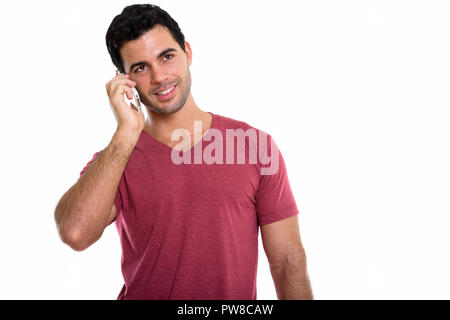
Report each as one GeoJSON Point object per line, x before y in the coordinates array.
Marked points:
{"type": "Point", "coordinates": [165, 109]}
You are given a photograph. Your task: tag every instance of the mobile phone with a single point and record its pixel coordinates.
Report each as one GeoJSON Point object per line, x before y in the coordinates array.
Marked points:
{"type": "Point", "coordinates": [136, 100]}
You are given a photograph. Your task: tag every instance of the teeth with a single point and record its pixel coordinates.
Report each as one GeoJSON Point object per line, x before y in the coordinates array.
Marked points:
{"type": "Point", "coordinates": [165, 92]}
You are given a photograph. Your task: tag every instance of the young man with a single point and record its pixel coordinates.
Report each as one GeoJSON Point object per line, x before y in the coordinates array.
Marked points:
{"type": "Point", "coordinates": [188, 228]}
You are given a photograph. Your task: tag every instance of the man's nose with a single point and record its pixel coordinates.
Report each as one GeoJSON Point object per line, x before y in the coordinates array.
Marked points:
{"type": "Point", "coordinates": [158, 75]}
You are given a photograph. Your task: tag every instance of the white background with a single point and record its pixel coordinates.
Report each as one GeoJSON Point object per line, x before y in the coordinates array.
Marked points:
{"type": "Point", "coordinates": [355, 93]}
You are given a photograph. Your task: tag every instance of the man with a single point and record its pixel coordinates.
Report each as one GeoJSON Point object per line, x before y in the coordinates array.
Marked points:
{"type": "Point", "coordinates": [188, 230]}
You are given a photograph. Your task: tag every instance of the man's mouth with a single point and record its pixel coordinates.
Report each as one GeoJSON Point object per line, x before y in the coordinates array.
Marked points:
{"type": "Point", "coordinates": [166, 94]}
{"type": "Point", "coordinates": [166, 91]}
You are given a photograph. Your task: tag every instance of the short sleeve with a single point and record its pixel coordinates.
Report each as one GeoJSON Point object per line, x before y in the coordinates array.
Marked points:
{"type": "Point", "coordinates": [89, 163]}
{"type": "Point", "coordinates": [274, 198]}
{"type": "Point", "coordinates": [118, 198]}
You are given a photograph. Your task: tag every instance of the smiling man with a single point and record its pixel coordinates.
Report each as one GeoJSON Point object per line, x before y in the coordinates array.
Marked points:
{"type": "Point", "coordinates": [189, 230]}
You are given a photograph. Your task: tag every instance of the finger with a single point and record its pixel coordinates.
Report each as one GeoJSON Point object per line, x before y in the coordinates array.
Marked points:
{"type": "Point", "coordinates": [113, 85]}
{"type": "Point", "coordinates": [129, 95]}
{"type": "Point", "coordinates": [119, 76]}
{"type": "Point", "coordinates": [126, 82]}
{"type": "Point", "coordinates": [116, 79]}
{"type": "Point", "coordinates": [121, 90]}
{"type": "Point", "coordinates": [122, 74]}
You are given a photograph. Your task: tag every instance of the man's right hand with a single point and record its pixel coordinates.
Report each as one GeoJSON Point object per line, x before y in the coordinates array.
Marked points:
{"type": "Point", "coordinates": [128, 118]}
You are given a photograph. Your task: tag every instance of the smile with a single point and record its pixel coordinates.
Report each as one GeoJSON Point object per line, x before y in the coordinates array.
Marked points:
{"type": "Point", "coordinates": [166, 92]}
{"type": "Point", "coordinates": [166, 95]}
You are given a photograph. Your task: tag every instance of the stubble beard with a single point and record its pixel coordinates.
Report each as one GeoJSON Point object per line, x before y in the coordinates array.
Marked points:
{"type": "Point", "coordinates": [177, 105]}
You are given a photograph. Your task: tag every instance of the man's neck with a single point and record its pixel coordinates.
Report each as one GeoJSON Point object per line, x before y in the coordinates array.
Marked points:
{"type": "Point", "coordinates": [161, 126]}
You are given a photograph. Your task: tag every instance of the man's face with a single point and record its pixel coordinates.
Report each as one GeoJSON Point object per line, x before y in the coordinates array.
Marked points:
{"type": "Point", "coordinates": [156, 63]}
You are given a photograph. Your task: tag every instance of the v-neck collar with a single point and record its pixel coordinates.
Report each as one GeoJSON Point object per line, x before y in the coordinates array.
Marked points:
{"type": "Point", "coordinates": [145, 137]}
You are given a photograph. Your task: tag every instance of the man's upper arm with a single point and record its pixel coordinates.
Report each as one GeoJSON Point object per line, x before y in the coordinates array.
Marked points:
{"type": "Point", "coordinates": [274, 197]}
{"type": "Point", "coordinates": [281, 240]}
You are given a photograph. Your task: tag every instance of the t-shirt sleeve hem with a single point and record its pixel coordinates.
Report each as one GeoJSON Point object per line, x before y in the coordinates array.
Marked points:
{"type": "Point", "coordinates": [279, 215]}
{"type": "Point", "coordinates": [117, 204]}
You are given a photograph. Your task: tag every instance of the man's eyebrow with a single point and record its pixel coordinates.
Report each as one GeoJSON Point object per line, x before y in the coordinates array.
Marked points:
{"type": "Point", "coordinates": [164, 52]}
{"type": "Point", "coordinates": [161, 54]}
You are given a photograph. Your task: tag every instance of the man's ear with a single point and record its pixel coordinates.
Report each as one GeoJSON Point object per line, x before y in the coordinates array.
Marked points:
{"type": "Point", "coordinates": [187, 49]}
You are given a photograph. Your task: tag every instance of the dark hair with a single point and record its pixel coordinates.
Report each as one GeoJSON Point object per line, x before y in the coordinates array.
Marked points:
{"type": "Point", "coordinates": [133, 22]}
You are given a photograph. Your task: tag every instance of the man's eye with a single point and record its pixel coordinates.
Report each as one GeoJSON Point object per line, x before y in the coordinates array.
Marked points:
{"type": "Point", "coordinates": [168, 55]}
{"type": "Point", "coordinates": [140, 68]}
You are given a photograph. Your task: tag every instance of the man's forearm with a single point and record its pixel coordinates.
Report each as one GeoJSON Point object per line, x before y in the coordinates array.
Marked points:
{"type": "Point", "coordinates": [291, 279]}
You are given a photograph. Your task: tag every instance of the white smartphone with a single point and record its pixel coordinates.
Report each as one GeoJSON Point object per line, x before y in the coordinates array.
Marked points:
{"type": "Point", "coordinates": [136, 100]}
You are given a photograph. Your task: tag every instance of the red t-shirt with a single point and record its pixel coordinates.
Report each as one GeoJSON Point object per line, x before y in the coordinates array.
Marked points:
{"type": "Point", "coordinates": [190, 231]}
